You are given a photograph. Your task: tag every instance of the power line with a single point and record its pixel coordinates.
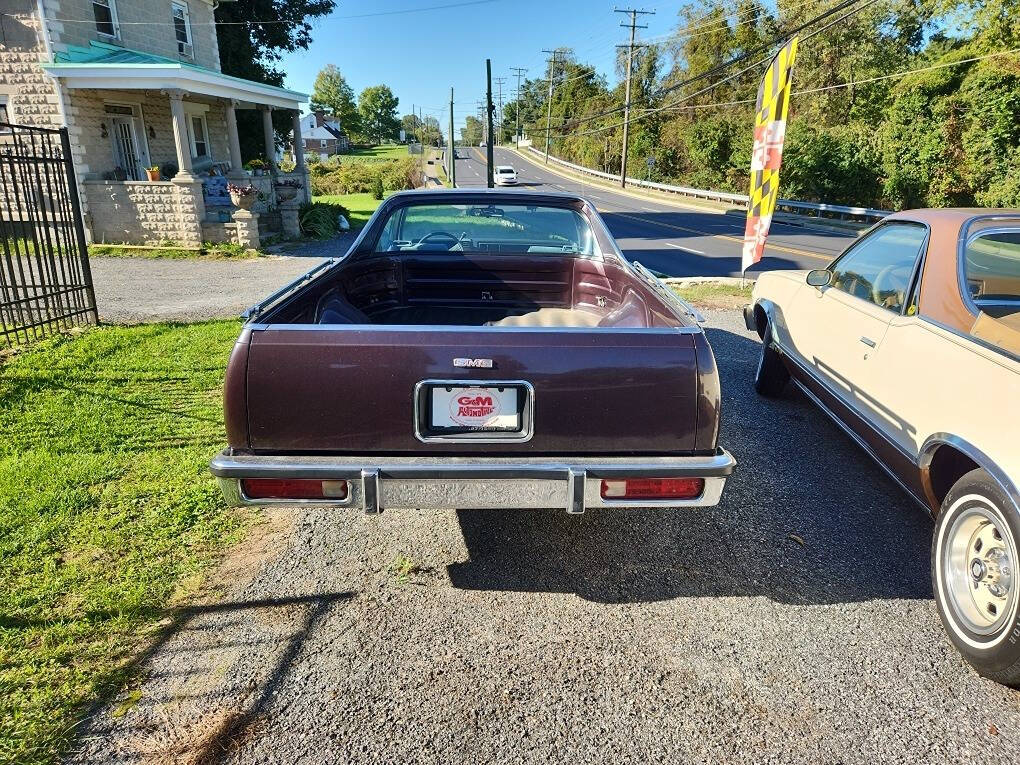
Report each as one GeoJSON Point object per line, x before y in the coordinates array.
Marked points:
{"type": "Point", "coordinates": [726, 64]}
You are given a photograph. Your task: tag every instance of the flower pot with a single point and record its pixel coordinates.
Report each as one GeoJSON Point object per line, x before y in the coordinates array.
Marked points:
{"type": "Point", "coordinates": [153, 175]}
{"type": "Point", "coordinates": [244, 201]}
{"type": "Point", "coordinates": [286, 193]}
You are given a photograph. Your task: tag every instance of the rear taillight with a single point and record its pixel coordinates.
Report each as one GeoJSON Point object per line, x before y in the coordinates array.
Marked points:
{"type": "Point", "coordinates": [652, 488]}
{"type": "Point", "coordinates": [294, 488]}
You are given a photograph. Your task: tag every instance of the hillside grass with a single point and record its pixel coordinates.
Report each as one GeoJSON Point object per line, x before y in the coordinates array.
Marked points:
{"type": "Point", "coordinates": [107, 509]}
{"type": "Point", "coordinates": [376, 153]}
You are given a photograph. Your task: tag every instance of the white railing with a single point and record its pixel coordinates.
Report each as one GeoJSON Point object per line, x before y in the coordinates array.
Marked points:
{"type": "Point", "coordinates": [741, 200]}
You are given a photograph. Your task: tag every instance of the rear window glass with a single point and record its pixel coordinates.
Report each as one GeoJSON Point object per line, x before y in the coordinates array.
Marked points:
{"type": "Point", "coordinates": [518, 229]}
{"type": "Point", "coordinates": [506, 170]}
{"type": "Point", "coordinates": [991, 268]}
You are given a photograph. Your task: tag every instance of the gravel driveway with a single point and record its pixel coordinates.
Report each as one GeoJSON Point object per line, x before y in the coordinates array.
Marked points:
{"type": "Point", "coordinates": [158, 289]}
{"type": "Point", "coordinates": [792, 623]}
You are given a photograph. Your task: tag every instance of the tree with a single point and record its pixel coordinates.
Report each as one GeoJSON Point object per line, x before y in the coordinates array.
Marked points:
{"type": "Point", "coordinates": [411, 126]}
{"type": "Point", "coordinates": [471, 133]}
{"type": "Point", "coordinates": [333, 95]}
{"type": "Point", "coordinates": [378, 109]}
{"type": "Point", "coordinates": [251, 51]}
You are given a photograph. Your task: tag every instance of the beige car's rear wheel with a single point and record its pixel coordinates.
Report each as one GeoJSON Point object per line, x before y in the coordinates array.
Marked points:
{"type": "Point", "coordinates": [974, 575]}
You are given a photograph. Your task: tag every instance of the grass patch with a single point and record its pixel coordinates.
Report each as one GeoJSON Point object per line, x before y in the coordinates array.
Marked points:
{"type": "Point", "coordinates": [714, 294]}
{"type": "Point", "coordinates": [376, 153]}
{"type": "Point", "coordinates": [107, 509]}
{"type": "Point", "coordinates": [360, 206]}
{"type": "Point", "coordinates": [208, 251]}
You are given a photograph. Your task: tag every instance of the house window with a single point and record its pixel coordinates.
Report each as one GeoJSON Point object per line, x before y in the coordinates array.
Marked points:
{"type": "Point", "coordinates": [322, 143]}
{"type": "Point", "coordinates": [182, 28]}
{"type": "Point", "coordinates": [199, 136]}
{"type": "Point", "coordinates": [105, 12]}
{"type": "Point", "coordinates": [5, 117]}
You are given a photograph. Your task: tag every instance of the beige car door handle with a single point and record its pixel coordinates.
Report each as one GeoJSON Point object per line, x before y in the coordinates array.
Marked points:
{"type": "Point", "coordinates": [868, 342]}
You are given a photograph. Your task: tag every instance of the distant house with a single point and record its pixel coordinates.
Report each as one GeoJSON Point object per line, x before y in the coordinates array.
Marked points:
{"type": "Point", "coordinates": [323, 135]}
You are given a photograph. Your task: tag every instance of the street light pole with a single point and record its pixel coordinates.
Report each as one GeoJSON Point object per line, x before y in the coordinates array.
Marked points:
{"type": "Point", "coordinates": [452, 147]}
{"type": "Point", "coordinates": [488, 122]}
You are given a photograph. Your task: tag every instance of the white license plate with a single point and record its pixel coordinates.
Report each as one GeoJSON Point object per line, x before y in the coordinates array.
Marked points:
{"type": "Point", "coordinates": [476, 408]}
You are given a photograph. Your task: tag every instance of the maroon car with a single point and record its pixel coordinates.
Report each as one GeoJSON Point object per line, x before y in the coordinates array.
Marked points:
{"type": "Point", "coordinates": [474, 349]}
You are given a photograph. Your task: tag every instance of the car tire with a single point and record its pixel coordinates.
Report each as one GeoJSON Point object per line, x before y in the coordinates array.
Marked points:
{"type": "Point", "coordinates": [771, 375]}
{"type": "Point", "coordinates": [974, 575]}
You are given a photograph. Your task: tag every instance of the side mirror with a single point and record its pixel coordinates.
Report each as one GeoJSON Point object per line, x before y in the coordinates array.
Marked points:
{"type": "Point", "coordinates": [820, 277]}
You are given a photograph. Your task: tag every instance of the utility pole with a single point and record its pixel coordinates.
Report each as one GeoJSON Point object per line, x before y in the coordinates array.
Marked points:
{"type": "Point", "coordinates": [548, 102]}
{"type": "Point", "coordinates": [452, 148]}
{"type": "Point", "coordinates": [517, 121]}
{"type": "Point", "coordinates": [626, 98]}
{"type": "Point", "coordinates": [499, 109]}
{"type": "Point", "coordinates": [488, 122]}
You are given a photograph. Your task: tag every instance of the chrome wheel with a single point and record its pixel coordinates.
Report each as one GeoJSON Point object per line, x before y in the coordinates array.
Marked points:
{"type": "Point", "coordinates": [979, 569]}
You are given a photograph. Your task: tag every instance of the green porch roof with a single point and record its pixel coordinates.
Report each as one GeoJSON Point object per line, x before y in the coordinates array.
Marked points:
{"type": "Point", "coordinates": [83, 61]}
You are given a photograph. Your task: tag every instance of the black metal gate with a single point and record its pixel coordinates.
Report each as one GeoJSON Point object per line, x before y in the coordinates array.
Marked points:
{"type": "Point", "coordinates": [45, 281]}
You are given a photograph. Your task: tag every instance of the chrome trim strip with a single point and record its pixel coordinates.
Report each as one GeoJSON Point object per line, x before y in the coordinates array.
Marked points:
{"type": "Point", "coordinates": [859, 441]}
{"type": "Point", "coordinates": [932, 442]}
{"type": "Point", "coordinates": [692, 330]}
{"type": "Point", "coordinates": [254, 311]}
{"type": "Point", "coordinates": [720, 464]}
{"type": "Point", "coordinates": [1009, 355]}
{"type": "Point", "coordinates": [527, 414]}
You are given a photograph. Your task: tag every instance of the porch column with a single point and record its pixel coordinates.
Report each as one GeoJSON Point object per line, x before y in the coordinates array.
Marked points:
{"type": "Point", "coordinates": [299, 144]}
{"type": "Point", "coordinates": [180, 121]}
{"type": "Point", "coordinates": [236, 165]}
{"type": "Point", "coordinates": [267, 131]}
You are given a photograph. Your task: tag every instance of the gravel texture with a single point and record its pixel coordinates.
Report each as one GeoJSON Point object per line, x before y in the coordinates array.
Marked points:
{"type": "Point", "coordinates": [792, 623]}
{"type": "Point", "coordinates": [132, 290]}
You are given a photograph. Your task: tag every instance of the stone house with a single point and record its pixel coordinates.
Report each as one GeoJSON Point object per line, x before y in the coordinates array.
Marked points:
{"type": "Point", "coordinates": [138, 85]}
{"type": "Point", "coordinates": [323, 135]}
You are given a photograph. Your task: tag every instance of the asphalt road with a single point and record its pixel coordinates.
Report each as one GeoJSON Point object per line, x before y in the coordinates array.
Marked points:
{"type": "Point", "coordinates": [669, 238]}
{"type": "Point", "coordinates": [792, 623]}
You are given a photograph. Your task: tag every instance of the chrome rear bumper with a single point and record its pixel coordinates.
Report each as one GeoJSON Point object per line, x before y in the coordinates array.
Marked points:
{"type": "Point", "coordinates": [467, 483]}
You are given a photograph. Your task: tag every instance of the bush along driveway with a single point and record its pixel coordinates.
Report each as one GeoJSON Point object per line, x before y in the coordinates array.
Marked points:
{"type": "Point", "coordinates": [107, 509]}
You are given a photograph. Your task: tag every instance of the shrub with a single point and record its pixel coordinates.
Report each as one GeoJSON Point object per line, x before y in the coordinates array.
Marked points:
{"type": "Point", "coordinates": [377, 188]}
{"type": "Point", "coordinates": [319, 219]}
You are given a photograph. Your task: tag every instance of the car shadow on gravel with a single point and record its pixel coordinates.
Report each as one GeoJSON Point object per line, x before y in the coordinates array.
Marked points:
{"type": "Point", "coordinates": [807, 518]}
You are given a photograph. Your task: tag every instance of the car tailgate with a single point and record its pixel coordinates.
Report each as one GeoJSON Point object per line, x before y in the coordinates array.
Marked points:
{"type": "Point", "coordinates": [351, 390]}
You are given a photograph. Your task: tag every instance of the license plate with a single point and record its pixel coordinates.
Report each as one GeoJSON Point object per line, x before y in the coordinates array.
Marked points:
{"type": "Point", "coordinates": [454, 409]}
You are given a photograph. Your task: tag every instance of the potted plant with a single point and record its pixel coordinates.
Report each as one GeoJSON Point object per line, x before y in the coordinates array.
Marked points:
{"type": "Point", "coordinates": [153, 173]}
{"type": "Point", "coordinates": [287, 189]}
{"type": "Point", "coordinates": [256, 166]}
{"type": "Point", "coordinates": [242, 196]}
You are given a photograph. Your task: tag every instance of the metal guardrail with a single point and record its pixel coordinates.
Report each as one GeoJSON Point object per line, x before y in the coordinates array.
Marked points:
{"type": "Point", "coordinates": [741, 200]}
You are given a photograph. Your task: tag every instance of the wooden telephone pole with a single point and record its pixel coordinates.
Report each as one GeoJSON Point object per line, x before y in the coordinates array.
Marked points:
{"type": "Point", "coordinates": [517, 119]}
{"type": "Point", "coordinates": [548, 102]}
{"type": "Point", "coordinates": [634, 26]}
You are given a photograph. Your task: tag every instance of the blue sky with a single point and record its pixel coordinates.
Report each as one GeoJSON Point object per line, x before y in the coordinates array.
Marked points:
{"type": "Point", "coordinates": [421, 54]}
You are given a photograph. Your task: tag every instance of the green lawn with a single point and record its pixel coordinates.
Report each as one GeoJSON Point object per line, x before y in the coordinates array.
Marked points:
{"type": "Point", "coordinates": [715, 294]}
{"type": "Point", "coordinates": [361, 206]}
{"type": "Point", "coordinates": [385, 151]}
{"type": "Point", "coordinates": [107, 509]}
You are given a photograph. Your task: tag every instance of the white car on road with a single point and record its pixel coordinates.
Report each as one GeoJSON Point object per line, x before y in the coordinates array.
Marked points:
{"type": "Point", "coordinates": [504, 175]}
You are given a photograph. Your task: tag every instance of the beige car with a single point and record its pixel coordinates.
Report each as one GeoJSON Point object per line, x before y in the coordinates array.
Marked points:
{"type": "Point", "coordinates": [910, 341]}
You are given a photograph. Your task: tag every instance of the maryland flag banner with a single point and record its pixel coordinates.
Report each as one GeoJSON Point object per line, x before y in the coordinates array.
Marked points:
{"type": "Point", "coordinates": [769, 132]}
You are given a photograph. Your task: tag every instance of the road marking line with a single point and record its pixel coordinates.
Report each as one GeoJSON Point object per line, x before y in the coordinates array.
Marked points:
{"type": "Point", "coordinates": [685, 249]}
{"type": "Point", "coordinates": [769, 246]}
